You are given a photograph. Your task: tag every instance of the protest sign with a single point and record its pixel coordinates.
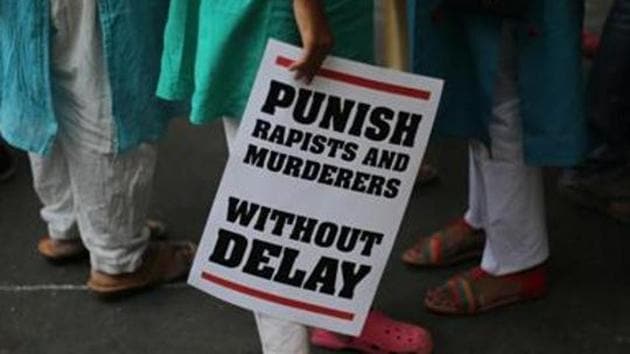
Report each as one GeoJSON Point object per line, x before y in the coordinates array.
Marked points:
{"type": "Point", "coordinates": [315, 189]}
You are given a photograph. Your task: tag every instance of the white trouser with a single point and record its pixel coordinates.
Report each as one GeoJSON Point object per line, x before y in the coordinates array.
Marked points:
{"type": "Point", "coordinates": [105, 195]}
{"type": "Point", "coordinates": [82, 183]}
{"type": "Point", "coordinates": [276, 336]}
{"type": "Point", "coordinates": [506, 196]}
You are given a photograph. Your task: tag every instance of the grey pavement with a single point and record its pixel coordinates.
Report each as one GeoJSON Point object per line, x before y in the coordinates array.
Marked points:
{"type": "Point", "coordinates": [46, 309]}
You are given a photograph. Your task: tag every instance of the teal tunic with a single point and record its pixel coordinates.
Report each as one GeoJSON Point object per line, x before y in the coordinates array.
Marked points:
{"type": "Point", "coordinates": [213, 47]}
{"type": "Point", "coordinates": [132, 43]}
{"type": "Point", "coordinates": [463, 49]}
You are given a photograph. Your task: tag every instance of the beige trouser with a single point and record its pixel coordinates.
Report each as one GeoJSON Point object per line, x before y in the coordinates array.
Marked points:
{"type": "Point", "coordinates": [87, 190]}
{"type": "Point", "coordinates": [105, 195]}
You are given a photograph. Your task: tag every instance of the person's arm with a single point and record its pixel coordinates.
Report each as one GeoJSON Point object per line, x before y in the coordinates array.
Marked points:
{"type": "Point", "coordinates": [317, 38]}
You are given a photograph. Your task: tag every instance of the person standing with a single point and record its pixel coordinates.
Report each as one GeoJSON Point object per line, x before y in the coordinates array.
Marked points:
{"type": "Point", "coordinates": [212, 53]}
{"type": "Point", "coordinates": [77, 81]}
{"type": "Point", "coordinates": [514, 91]}
{"type": "Point", "coordinates": [602, 182]}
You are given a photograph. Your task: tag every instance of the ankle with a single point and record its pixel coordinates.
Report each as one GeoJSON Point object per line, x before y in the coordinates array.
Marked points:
{"type": "Point", "coordinates": [533, 281]}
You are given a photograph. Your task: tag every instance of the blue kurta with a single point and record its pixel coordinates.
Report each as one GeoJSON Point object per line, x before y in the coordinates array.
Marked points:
{"type": "Point", "coordinates": [464, 48]}
{"type": "Point", "coordinates": [132, 40]}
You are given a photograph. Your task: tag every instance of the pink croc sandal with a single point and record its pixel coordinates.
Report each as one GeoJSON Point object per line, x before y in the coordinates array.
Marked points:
{"type": "Point", "coordinates": [381, 335]}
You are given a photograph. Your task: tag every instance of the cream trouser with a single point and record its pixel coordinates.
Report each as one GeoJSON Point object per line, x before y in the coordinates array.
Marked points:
{"type": "Point", "coordinates": [88, 191]}
{"type": "Point", "coordinates": [506, 196]}
{"type": "Point", "coordinates": [276, 336]}
{"type": "Point", "coordinates": [105, 195]}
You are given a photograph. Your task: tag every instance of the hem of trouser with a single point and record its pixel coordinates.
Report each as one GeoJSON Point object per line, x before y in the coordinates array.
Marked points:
{"type": "Point", "coordinates": [278, 336]}
{"type": "Point", "coordinates": [512, 269]}
{"type": "Point", "coordinates": [72, 234]}
{"type": "Point", "coordinates": [117, 268]}
{"type": "Point", "coordinates": [475, 224]}
{"type": "Point", "coordinates": [131, 263]}
{"type": "Point", "coordinates": [271, 351]}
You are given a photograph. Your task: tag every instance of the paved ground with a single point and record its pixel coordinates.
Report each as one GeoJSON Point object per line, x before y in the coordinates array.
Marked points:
{"type": "Point", "coordinates": [45, 309]}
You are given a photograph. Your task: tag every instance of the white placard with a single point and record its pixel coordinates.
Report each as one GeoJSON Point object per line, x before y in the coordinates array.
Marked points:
{"type": "Point", "coordinates": [315, 189]}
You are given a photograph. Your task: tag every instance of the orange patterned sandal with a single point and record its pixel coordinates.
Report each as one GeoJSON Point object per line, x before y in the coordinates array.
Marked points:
{"type": "Point", "coordinates": [476, 291]}
{"type": "Point", "coordinates": [457, 242]}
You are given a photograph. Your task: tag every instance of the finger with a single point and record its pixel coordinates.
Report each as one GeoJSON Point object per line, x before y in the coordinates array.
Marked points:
{"type": "Point", "coordinates": [308, 77]}
{"type": "Point", "coordinates": [307, 54]}
{"type": "Point", "coordinates": [310, 68]}
{"type": "Point", "coordinates": [303, 66]}
{"type": "Point", "coordinates": [299, 69]}
{"type": "Point", "coordinates": [303, 70]}
{"type": "Point", "coordinates": [309, 64]}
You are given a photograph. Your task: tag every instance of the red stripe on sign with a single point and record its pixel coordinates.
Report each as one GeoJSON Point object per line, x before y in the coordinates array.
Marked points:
{"type": "Point", "coordinates": [277, 299]}
{"type": "Point", "coordinates": [363, 82]}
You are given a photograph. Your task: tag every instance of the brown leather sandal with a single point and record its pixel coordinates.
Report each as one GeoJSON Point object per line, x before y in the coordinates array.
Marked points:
{"type": "Point", "coordinates": [62, 251]}
{"type": "Point", "coordinates": [66, 251]}
{"type": "Point", "coordinates": [163, 262]}
{"type": "Point", "coordinates": [457, 242]}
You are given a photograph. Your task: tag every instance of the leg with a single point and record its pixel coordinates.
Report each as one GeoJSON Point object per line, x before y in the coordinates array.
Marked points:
{"type": "Point", "coordinates": [608, 90]}
{"type": "Point", "coordinates": [276, 336]}
{"type": "Point", "coordinates": [462, 239]}
{"type": "Point", "coordinates": [51, 181]}
{"type": "Point", "coordinates": [514, 220]}
{"type": "Point", "coordinates": [515, 224]}
{"type": "Point", "coordinates": [516, 234]}
{"type": "Point", "coordinates": [112, 196]}
{"type": "Point", "coordinates": [110, 191]}
{"type": "Point", "coordinates": [281, 336]}
{"type": "Point", "coordinates": [602, 182]}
